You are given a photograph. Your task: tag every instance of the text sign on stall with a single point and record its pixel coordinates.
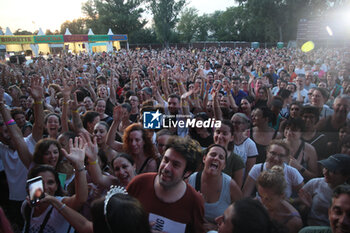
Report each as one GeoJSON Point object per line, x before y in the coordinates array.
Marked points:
{"type": "Point", "coordinates": [49, 39]}
{"type": "Point", "coordinates": [75, 38]}
{"type": "Point", "coordinates": [16, 39]}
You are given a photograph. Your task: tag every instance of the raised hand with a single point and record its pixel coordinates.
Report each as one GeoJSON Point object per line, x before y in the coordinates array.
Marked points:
{"type": "Point", "coordinates": [66, 91]}
{"type": "Point", "coordinates": [117, 113]}
{"type": "Point", "coordinates": [73, 104]}
{"type": "Point", "coordinates": [36, 89]}
{"type": "Point", "coordinates": [91, 147]}
{"type": "Point", "coordinates": [208, 85]}
{"type": "Point", "coordinates": [77, 152]}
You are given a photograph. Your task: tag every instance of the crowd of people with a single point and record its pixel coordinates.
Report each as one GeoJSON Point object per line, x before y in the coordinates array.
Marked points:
{"type": "Point", "coordinates": [278, 161]}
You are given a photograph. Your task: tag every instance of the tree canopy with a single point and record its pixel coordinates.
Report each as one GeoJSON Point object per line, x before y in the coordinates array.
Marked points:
{"type": "Point", "coordinates": [248, 20]}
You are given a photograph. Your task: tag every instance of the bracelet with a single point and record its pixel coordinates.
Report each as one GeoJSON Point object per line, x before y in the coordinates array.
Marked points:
{"type": "Point", "coordinates": [302, 170]}
{"type": "Point", "coordinates": [80, 169]}
{"type": "Point", "coordinates": [10, 122]}
{"type": "Point", "coordinates": [65, 103]}
{"type": "Point", "coordinates": [93, 162]}
{"type": "Point", "coordinates": [77, 111]}
{"type": "Point", "coordinates": [38, 102]}
{"type": "Point", "coordinates": [62, 207]}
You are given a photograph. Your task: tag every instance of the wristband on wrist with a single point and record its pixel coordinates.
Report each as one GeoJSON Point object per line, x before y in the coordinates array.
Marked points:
{"type": "Point", "coordinates": [302, 170]}
{"type": "Point", "coordinates": [62, 207]}
{"type": "Point", "coordinates": [93, 162]}
{"type": "Point", "coordinates": [80, 169]}
{"type": "Point", "coordinates": [11, 122]}
{"type": "Point", "coordinates": [38, 102]}
{"type": "Point", "coordinates": [75, 111]}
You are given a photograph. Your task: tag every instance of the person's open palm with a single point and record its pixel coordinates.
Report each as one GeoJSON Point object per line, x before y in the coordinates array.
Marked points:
{"type": "Point", "coordinates": [77, 152]}
{"type": "Point", "coordinates": [36, 89]}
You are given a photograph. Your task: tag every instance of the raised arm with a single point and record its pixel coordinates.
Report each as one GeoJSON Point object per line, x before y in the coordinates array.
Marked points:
{"type": "Point", "coordinates": [78, 221]}
{"type": "Point", "coordinates": [37, 92]}
{"type": "Point", "coordinates": [112, 93]}
{"type": "Point", "coordinates": [93, 165]}
{"type": "Point", "coordinates": [206, 96]}
{"type": "Point", "coordinates": [78, 124]}
{"type": "Point", "coordinates": [76, 157]}
{"type": "Point", "coordinates": [216, 106]}
{"type": "Point", "coordinates": [231, 99]}
{"type": "Point", "coordinates": [66, 91]}
{"type": "Point", "coordinates": [15, 132]}
{"type": "Point", "coordinates": [115, 145]}
{"type": "Point", "coordinates": [156, 94]}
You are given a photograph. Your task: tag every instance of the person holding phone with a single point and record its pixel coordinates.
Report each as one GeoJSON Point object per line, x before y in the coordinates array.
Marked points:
{"type": "Point", "coordinates": [45, 215]}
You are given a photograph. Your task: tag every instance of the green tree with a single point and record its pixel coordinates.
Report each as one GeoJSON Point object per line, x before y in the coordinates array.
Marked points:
{"type": "Point", "coordinates": [202, 27]}
{"type": "Point", "coordinates": [76, 26]}
{"type": "Point", "coordinates": [165, 16]}
{"type": "Point", "coordinates": [48, 32]}
{"type": "Point", "coordinates": [22, 32]}
{"type": "Point", "coordinates": [277, 20]}
{"type": "Point", "coordinates": [146, 35]}
{"type": "Point", "coordinates": [188, 24]}
{"type": "Point", "coordinates": [123, 17]}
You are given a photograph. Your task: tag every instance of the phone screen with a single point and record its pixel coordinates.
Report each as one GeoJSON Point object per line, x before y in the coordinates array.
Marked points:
{"type": "Point", "coordinates": [35, 189]}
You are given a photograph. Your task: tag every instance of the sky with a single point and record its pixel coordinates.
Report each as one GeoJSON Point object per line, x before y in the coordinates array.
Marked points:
{"type": "Point", "coordinates": [49, 14]}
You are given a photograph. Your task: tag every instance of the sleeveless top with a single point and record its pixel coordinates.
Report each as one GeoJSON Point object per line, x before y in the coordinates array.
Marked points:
{"type": "Point", "coordinates": [261, 148]}
{"type": "Point", "coordinates": [213, 210]}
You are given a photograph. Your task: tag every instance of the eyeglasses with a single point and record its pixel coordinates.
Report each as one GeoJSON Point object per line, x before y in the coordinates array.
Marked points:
{"type": "Point", "coordinates": [273, 153]}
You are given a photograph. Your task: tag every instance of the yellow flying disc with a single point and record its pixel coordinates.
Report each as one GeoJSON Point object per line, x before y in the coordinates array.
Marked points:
{"type": "Point", "coordinates": [307, 46]}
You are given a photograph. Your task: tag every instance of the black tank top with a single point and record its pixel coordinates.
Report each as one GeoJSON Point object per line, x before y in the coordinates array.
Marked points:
{"type": "Point", "coordinates": [261, 148]}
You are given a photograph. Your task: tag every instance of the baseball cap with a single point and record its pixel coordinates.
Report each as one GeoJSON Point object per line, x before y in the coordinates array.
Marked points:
{"type": "Point", "coordinates": [337, 162]}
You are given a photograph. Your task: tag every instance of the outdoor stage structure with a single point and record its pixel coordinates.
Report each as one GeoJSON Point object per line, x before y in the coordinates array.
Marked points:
{"type": "Point", "coordinates": [43, 44]}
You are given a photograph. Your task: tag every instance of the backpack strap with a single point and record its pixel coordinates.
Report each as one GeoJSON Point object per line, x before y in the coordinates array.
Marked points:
{"type": "Point", "coordinates": [46, 219]}
{"type": "Point", "coordinates": [27, 212]}
{"type": "Point", "coordinates": [144, 165]}
{"type": "Point", "coordinates": [198, 181]}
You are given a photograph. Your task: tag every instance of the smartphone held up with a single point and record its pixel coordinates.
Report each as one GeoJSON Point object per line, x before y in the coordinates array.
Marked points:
{"type": "Point", "coordinates": [35, 189]}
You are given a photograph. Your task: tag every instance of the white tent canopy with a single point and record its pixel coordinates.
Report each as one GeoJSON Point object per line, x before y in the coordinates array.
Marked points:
{"type": "Point", "coordinates": [40, 32]}
{"type": "Point", "coordinates": [8, 32]}
{"type": "Point", "coordinates": [110, 32]}
{"type": "Point", "coordinates": [90, 33]}
{"type": "Point", "coordinates": [67, 32]}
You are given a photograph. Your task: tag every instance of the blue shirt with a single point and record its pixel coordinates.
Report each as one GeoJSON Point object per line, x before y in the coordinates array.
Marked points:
{"type": "Point", "coordinates": [239, 96]}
